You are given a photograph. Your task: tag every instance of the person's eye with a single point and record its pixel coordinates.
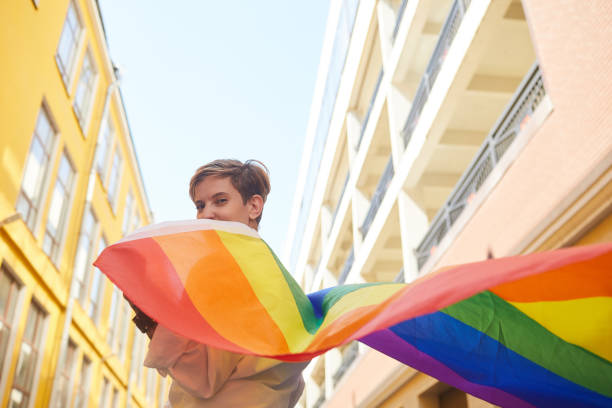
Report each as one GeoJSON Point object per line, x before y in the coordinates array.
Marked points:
{"type": "Point", "coordinates": [199, 207]}
{"type": "Point", "coordinates": [221, 200]}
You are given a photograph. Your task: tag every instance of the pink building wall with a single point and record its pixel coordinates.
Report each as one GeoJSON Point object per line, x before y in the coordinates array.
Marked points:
{"type": "Point", "coordinates": [573, 43]}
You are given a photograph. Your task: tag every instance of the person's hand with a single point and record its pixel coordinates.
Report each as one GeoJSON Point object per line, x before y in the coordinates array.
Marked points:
{"type": "Point", "coordinates": [144, 323]}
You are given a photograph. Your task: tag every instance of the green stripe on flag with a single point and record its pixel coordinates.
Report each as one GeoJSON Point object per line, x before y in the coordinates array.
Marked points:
{"type": "Point", "coordinates": [311, 323]}
{"type": "Point", "coordinates": [503, 322]}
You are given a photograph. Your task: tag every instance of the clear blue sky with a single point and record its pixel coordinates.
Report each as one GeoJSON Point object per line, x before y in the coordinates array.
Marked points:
{"type": "Point", "coordinates": [217, 79]}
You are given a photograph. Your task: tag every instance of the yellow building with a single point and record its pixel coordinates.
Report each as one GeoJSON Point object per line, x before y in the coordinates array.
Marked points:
{"type": "Point", "coordinates": [70, 184]}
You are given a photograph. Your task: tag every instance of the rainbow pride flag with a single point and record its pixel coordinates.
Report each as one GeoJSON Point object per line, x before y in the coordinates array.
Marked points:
{"type": "Point", "coordinates": [524, 331]}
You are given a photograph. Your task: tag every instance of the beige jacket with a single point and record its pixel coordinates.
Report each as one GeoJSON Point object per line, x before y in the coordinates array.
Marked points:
{"type": "Point", "coordinates": [208, 377]}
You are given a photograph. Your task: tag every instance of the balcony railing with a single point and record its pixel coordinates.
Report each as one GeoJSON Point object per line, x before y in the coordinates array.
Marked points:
{"type": "Point", "coordinates": [379, 194]}
{"type": "Point", "coordinates": [349, 356]}
{"type": "Point", "coordinates": [366, 119]}
{"type": "Point", "coordinates": [525, 101]}
{"type": "Point", "coordinates": [399, 278]}
{"type": "Point", "coordinates": [398, 19]}
{"type": "Point", "coordinates": [319, 400]}
{"type": "Point", "coordinates": [449, 30]}
{"type": "Point", "coordinates": [348, 175]}
{"type": "Point", "coordinates": [348, 264]}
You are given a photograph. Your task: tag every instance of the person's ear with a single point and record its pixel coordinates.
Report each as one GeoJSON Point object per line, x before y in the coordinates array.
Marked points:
{"type": "Point", "coordinates": [255, 207]}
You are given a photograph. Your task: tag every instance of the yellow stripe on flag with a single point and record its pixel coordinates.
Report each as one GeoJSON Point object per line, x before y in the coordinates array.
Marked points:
{"type": "Point", "coordinates": [367, 296]}
{"type": "Point", "coordinates": [586, 322]}
{"type": "Point", "coordinates": [269, 285]}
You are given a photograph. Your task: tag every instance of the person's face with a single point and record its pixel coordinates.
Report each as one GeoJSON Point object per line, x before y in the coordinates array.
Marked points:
{"type": "Point", "coordinates": [216, 198]}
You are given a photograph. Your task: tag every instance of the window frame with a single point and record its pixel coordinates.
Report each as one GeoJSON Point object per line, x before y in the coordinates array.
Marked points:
{"type": "Point", "coordinates": [128, 213]}
{"type": "Point", "coordinates": [58, 241]}
{"type": "Point", "coordinates": [81, 389]}
{"type": "Point", "coordinates": [41, 323]}
{"type": "Point", "coordinates": [67, 72]}
{"type": "Point", "coordinates": [83, 292]}
{"type": "Point", "coordinates": [95, 273]}
{"type": "Point", "coordinates": [17, 313]}
{"type": "Point", "coordinates": [113, 196]}
{"type": "Point", "coordinates": [84, 117]}
{"type": "Point", "coordinates": [102, 169]}
{"type": "Point", "coordinates": [125, 314]}
{"type": "Point", "coordinates": [35, 204]}
{"type": "Point", "coordinates": [68, 375]}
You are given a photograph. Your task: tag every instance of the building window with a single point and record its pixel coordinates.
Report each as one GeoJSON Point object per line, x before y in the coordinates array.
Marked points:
{"type": "Point", "coordinates": [82, 390]}
{"type": "Point", "coordinates": [83, 255]}
{"type": "Point", "coordinates": [104, 394]}
{"type": "Point", "coordinates": [115, 400]}
{"type": "Point", "coordinates": [112, 318]}
{"type": "Point", "coordinates": [160, 393]}
{"type": "Point", "coordinates": [58, 211]}
{"type": "Point", "coordinates": [36, 169]}
{"type": "Point", "coordinates": [137, 368]}
{"type": "Point", "coordinates": [104, 146]}
{"type": "Point", "coordinates": [25, 372]}
{"type": "Point", "coordinates": [115, 178]}
{"type": "Point", "coordinates": [85, 91]}
{"type": "Point", "coordinates": [127, 214]}
{"type": "Point", "coordinates": [136, 222]}
{"type": "Point", "coordinates": [150, 386]}
{"type": "Point", "coordinates": [68, 43]}
{"type": "Point", "coordinates": [9, 292]}
{"type": "Point", "coordinates": [97, 284]}
{"type": "Point", "coordinates": [66, 375]}
{"type": "Point", "coordinates": [125, 315]}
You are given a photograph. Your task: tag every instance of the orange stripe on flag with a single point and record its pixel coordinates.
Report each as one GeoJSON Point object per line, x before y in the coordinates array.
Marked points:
{"type": "Point", "coordinates": [143, 272]}
{"type": "Point", "coordinates": [208, 269]}
{"type": "Point", "coordinates": [589, 278]}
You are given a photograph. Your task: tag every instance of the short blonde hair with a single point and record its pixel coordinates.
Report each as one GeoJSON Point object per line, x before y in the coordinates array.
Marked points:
{"type": "Point", "coordinates": [249, 178]}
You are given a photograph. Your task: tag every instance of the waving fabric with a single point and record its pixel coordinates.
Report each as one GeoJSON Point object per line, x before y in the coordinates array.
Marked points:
{"type": "Point", "coordinates": [532, 330]}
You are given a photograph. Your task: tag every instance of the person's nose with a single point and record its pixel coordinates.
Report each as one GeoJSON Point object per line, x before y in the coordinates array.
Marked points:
{"type": "Point", "coordinates": [206, 213]}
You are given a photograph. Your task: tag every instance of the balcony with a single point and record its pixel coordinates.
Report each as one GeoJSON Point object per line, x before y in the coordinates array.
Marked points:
{"type": "Point", "coordinates": [369, 111]}
{"type": "Point", "coordinates": [378, 196]}
{"type": "Point", "coordinates": [398, 19]}
{"type": "Point", "coordinates": [348, 264]}
{"type": "Point", "coordinates": [450, 28]}
{"type": "Point", "coordinates": [400, 277]}
{"type": "Point", "coordinates": [340, 199]}
{"type": "Point", "coordinates": [319, 402]}
{"type": "Point", "coordinates": [518, 112]}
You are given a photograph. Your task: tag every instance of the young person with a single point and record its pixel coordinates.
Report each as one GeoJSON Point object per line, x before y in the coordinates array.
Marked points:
{"type": "Point", "coordinates": [203, 376]}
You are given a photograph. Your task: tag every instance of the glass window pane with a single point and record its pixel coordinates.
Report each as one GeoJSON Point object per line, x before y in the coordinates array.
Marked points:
{"type": "Point", "coordinates": [136, 221]}
{"type": "Point", "coordinates": [82, 99]}
{"type": "Point", "coordinates": [64, 173]}
{"type": "Point", "coordinates": [115, 402]}
{"type": "Point", "coordinates": [9, 289]}
{"type": "Point", "coordinates": [106, 138]}
{"type": "Point", "coordinates": [83, 388]}
{"type": "Point", "coordinates": [58, 199]}
{"type": "Point", "coordinates": [6, 286]}
{"type": "Point", "coordinates": [83, 255]}
{"type": "Point", "coordinates": [18, 399]}
{"type": "Point", "coordinates": [104, 393]}
{"type": "Point", "coordinates": [34, 170]}
{"type": "Point", "coordinates": [44, 129]}
{"type": "Point", "coordinates": [66, 49]}
{"type": "Point", "coordinates": [58, 211]}
{"type": "Point", "coordinates": [114, 177]}
{"type": "Point", "coordinates": [128, 212]}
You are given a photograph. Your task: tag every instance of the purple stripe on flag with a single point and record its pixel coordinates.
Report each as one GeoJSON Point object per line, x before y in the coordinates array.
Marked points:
{"type": "Point", "coordinates": [392, 345]}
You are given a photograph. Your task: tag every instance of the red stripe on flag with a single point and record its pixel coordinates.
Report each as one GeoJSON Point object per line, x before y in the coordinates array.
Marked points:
{"type": "Point", "coordinates": [145, 275]}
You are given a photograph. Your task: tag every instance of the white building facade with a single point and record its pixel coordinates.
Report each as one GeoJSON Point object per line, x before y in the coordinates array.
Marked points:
{"type": "Point", "coordinates": [423, 112]}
